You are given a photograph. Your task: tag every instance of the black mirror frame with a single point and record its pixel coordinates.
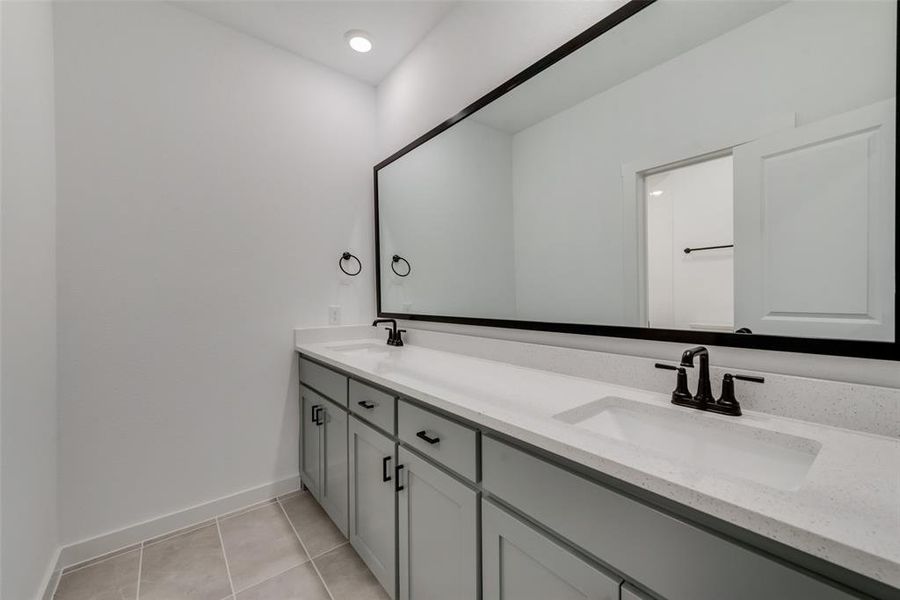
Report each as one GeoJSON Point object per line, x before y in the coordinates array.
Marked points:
{"type": "Point", "coordinates": [826, 346]}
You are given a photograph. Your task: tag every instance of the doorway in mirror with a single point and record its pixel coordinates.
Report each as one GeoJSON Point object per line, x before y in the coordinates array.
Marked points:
{"type": "Point", "coordinates": [690, 259]}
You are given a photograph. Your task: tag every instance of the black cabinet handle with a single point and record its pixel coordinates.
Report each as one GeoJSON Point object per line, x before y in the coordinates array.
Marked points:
{"type": "Point", "coordinates": [424, 436]}
{"type": "Point", "coordinates": [313, 413]}
{"type": "Point", "coordinates": [316, 413]}
{"type": "Point", "coordinates": [366, 404]}
{"type": "Point", "coordinates": [397, 470]}
{"type": "Point", "coordinates": [385, 472]}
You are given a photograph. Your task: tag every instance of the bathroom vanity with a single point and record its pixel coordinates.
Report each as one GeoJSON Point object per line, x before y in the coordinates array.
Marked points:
{"type": "Point", "coordinates": [726, 181]}
{"type": "Point", "coordinates": [456, 477]}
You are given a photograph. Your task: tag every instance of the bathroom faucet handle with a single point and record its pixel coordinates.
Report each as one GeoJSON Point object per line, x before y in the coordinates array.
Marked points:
{"type": "Point", "coordinates": [727, 402]}
{"type": "Point", "coordinates": [681, 394]}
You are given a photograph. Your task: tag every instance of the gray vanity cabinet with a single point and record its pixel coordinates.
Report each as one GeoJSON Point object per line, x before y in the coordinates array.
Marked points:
{"type": "Point", "coordinates": [311, 404]}
{"type": "Point", "coordinates": [438, 533]}
{"type": "Point", "coordinates": [520, 563]}
{"type": "Point", "coordinates": [334, 474]}
{"type": "Point", "coordinates": [325, 381]}
{"type": "Point", "coordinates": [416, 516]}
{"type": "Point", "coordinates": [323, 455]}
{"type": "Point", "coordinates": [373, 519]}
{"type": "Point", "coordinates": [667, 555]}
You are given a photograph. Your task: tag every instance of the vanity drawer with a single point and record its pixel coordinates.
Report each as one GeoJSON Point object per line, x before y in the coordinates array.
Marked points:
{"type": "Point", "coordinates": [373, 405]}
{"type": "Point", "coordinates": [455, 445]}
{"type": "Point", "coordinates": [325, 381]}
{"type": "Point", "coordinates": [667, 555]}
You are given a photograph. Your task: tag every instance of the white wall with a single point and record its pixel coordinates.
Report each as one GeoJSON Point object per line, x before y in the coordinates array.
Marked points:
{"type": "Point", "coordinates": [447, 208]}
{"type": "Point", "coordinates": [28, 411]}
{"type": "Point", "coordinates": [470, 52]}
{"type": "Point", "coordinates": [207, 185]}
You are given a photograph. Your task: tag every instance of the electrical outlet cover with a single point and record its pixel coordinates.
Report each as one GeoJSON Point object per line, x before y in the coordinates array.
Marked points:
{"type": "Point", "coordinates": [334, 314]}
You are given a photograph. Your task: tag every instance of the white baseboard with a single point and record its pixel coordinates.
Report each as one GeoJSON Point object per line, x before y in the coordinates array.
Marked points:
{"type": "Point", "coordinates": [135, 534]}
{"type": "Point", "coordinates": [48, 583]}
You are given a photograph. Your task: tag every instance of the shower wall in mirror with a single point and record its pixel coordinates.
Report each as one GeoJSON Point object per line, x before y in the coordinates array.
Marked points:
{"type": "Point", "coordinates": [701, 167]}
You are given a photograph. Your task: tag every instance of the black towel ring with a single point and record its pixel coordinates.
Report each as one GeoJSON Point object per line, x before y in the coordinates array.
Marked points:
{"type": "Point", "coordinates": [348, 256]}
{"type": "Point", "coordinates": [397, 258]}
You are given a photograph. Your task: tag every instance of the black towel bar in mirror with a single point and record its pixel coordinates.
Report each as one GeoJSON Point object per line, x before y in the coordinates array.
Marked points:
{"type": "Point", "coordinates": [689, 250]}
{"type": "Point", "coordinates": [397, 258]}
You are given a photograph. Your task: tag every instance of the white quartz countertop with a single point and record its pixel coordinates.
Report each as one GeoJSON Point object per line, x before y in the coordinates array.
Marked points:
{"type": "Point", "coordinates": [846, 510]}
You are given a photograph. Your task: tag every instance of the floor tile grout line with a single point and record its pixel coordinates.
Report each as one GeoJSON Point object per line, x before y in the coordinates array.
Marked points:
{"type": "Point", "coordinates": [140, 546]}
{"type": "Point", "coordinates": [270, 578]}
{"type": "Point", "coordinates": [324, 552]}
{"type": "Point", "coordinates": [165, 537]}
{"type": "Point", "coordinates": [299, 539]}
{"type": "Point", "coordinates": [137, 595]}
{"type": "Point", "coordinates": [240, 512]}
{"type": "Point", "coordinates": [103, 557]}
{"type": "Point", "coordinates": [225, 556]}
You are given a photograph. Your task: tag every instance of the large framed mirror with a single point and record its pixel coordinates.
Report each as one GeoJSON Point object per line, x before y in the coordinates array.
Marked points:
{"type": "Point", "coordinates": [704, 172]}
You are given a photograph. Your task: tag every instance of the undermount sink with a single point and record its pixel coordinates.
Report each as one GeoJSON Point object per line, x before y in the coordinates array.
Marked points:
{"type": "Point", "coordinates": [370, 348]}
{"type": "Point", "coordinates": [773, 459]}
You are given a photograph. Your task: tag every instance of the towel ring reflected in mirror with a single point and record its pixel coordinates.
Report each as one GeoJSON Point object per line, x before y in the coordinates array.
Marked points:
{"type": "Point", "coordinates": [396, 259]}
{"type": "Point", "coordinates": [347, 256]}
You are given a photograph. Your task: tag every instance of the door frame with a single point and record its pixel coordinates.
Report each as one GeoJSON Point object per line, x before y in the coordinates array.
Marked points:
{"type": "Point", "coordinates": [666, 158]}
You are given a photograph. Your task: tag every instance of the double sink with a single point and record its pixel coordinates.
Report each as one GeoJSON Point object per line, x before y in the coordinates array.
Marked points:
{"type": "Point", "coordinates": [699, 442]}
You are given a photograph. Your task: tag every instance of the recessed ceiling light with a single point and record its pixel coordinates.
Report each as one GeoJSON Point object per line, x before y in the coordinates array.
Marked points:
{"type": "Point", "coordinates": [358, 40]}
{"type": "Point", "coordinates": [656, 193]}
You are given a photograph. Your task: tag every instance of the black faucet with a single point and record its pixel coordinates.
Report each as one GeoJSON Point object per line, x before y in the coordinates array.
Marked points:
{"type": "Point", "coordinates": [395, 337]}
{"type": "Point", "coordinates": [704, 400]}
{"type": "Point", "coordinates": [704, 390]}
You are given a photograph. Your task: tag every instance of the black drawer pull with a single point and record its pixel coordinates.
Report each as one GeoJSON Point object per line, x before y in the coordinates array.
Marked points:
{"type": "Point", "coordinates": [385, 472]}
{"type": "Point", "coordinates": [397, 470]}
{"type": "Point", "coordinates": [366, 404]}
{"type": "Point", "coordinates": [424, 436]}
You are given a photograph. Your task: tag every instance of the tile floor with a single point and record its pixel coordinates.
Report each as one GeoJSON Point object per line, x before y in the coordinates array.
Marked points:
{"type": "Point", "coordinates": [283, 549]}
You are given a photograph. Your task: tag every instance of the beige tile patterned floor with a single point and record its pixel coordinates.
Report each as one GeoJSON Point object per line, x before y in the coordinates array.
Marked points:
{"type": "Point", "coordinates": [283, 549]}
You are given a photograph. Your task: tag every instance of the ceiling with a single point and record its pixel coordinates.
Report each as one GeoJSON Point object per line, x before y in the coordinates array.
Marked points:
{"type": "Point", "coordinates": [314, 29]}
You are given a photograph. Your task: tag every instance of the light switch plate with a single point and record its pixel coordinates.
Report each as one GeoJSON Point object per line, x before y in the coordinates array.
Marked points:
{"type": "Point", "coordinates": [334, 314]}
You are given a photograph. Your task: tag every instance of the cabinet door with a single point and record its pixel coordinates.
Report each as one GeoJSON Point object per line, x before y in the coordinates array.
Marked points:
{"type": "Point", "coordinates": [520, 563]}
{"type": "Point", "coordinates": [373, 519]}
{"type": "Point", "coordinates": [438, 524]}
{"type": "Point", "coordinates": [311, 405]}
{"type": "Point", "coordinates": [334, 473]}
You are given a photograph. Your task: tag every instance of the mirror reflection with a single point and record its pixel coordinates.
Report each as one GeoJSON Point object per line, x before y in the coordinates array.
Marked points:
{"type": "Point", "coordinates": [709, 166]}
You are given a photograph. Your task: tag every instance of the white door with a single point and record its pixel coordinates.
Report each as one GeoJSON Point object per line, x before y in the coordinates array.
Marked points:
{"type": "Point", "coordinates": [690, 208]}
{"type": "Point", "coordinates": [814, 228]}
